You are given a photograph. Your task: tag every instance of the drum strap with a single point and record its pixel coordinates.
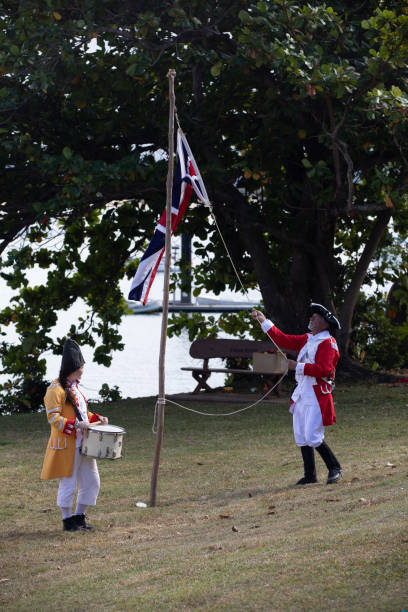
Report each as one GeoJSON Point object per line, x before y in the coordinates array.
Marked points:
{"type": "Point", "coordinates": [78, 414]}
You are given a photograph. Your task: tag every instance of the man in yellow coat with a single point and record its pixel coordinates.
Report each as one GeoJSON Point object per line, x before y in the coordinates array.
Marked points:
{"type": "Point", "coordinates": [68, 414]}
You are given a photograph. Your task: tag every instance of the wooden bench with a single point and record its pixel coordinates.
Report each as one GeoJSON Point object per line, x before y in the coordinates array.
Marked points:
{"type": "Point", "coordinates": [266, 360]}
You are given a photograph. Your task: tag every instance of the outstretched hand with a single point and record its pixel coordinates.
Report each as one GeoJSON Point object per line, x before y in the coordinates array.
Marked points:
{"type": "Point", "coordinates": [257, 315]}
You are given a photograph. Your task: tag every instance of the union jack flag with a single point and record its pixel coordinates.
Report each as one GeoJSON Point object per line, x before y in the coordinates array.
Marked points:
{"type": "Point", "coordinates": [187, 179]}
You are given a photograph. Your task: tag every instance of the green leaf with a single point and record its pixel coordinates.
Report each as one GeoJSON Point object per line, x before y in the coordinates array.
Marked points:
{"type": "Point", "coordinates": [216, 69]}
{"type": "Point", "coordinates": [244, 17]}
{"type": "Point", "coordinates": [396, 91]}
{"type": "Point", "coordinates": [67, 153]}
{"type": "Point", "coordinates": [132, 70]}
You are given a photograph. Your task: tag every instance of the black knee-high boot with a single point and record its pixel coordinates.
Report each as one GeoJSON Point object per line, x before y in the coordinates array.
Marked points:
{"type": "Point", "coordinates": [309, 465]}
{"type": "Point", "coordinates": [334, 467]}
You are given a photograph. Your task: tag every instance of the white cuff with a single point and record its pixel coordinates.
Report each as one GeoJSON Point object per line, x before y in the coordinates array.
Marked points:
{"type": "Point", "coordinates": [266, 325]}
{"type": "Point", "coordinates": [300, 368]}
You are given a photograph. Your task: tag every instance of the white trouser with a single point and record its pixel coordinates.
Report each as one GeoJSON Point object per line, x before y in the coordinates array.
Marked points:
{"type": "Point", "coordinates": [307, 422]}
{"type": "Point", "coordinates": [85, 475]}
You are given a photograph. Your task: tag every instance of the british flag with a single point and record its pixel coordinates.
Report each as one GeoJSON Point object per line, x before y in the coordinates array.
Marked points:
{"type": "Point", "coordinates": [187, 179]}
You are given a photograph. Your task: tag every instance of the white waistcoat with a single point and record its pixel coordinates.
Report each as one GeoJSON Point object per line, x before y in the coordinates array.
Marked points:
{"type": "Point", "coordinates": [307, 354]}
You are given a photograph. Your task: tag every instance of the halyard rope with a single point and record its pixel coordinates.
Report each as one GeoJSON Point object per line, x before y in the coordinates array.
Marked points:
{"type": "Point", "coordinates": [216, 414]}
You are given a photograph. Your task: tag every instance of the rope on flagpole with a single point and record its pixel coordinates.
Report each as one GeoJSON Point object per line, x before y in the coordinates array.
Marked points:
{"type": "Point", "coordinates": [227, 251]}
{"type": "Point", "coordinates": [205, 199]}
{"type": "Point", "coordinates": [237, 274]}
{"type": "Point", "coordinates": [216, 414]}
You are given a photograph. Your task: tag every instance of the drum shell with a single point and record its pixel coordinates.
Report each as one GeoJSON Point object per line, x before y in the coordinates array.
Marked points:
{"type": "Point", "coordinates": [100, 443]}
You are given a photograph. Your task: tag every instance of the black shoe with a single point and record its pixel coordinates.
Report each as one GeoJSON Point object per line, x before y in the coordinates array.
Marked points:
{"type": "Point", "coordinates": [80, 521]}
{"type": "Point", "coordinates": [334, 475]}
{"type": "Point", "coordinates": [309, 466]}
{"type": "Point", "coordinates": [69, 524]}
{"type": "Point", "coordinates": [304, 480]}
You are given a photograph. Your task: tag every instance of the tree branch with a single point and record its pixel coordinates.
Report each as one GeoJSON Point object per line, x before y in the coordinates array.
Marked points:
{"type": "Point", "coordinates": [351, 295]}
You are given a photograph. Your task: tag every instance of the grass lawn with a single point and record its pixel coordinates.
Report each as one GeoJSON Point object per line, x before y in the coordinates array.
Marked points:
{"type": "Point", "coordinates": [230, 531]}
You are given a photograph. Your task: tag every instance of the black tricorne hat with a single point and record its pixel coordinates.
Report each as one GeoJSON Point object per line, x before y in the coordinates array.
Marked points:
{"type": "Point", "coordinates": [326, 314]}
{"type": "Point", "coordinates": [72, 358]}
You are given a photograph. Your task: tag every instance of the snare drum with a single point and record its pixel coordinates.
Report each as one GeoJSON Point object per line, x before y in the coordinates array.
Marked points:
{"type": "Point", "coordinates": [103, 441]}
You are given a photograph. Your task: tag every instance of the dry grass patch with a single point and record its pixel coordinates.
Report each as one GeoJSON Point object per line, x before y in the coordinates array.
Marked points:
{"type": "Point", "coordinates": [230, 531]}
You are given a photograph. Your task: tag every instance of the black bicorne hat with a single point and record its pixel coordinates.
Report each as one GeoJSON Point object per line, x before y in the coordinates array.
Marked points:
{"type": "Point", "coordinates": [72, 358]}
{"type": "Point", "coordinates": [326, 314]}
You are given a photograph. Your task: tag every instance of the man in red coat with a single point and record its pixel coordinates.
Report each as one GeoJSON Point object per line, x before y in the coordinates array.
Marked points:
{"type": "Point", "coordinates": [312, 402]}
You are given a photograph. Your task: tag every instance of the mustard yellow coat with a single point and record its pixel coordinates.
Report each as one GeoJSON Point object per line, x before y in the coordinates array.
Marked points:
{"type": "Point", "coordinates": [60, 453]}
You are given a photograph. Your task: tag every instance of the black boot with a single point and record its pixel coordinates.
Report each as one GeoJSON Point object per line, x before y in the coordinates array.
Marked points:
{"type": "Point", "coordinates": [309, 465]}
{"type": "Point", "coordinates": [69, 524]}
{"type": "Point", "coordinates": [334, 467]}
{"type": "Point", "coordinates": [80, 521]}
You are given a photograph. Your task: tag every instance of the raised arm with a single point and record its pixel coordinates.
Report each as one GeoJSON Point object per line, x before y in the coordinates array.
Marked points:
{"type": "Point", "coordinates": [285, 341]}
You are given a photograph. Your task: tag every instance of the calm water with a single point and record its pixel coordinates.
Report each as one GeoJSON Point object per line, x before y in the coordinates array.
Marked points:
{"type": "Point", "coordinates": [135, 369]}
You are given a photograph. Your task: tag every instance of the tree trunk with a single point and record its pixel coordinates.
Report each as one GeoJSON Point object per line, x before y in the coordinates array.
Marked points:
{"type": "Point", "coordinates": [311, 272]}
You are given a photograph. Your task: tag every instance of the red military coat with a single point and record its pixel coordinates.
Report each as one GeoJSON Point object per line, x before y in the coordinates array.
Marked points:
{"type": "Point", "coordinates": [317, 360]}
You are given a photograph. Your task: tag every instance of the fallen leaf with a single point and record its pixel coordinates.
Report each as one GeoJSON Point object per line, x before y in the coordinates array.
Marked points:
{"type": "Point", "coordinates": [46, 510]}
{"type": "Point", "coordinates": [365, 501]}
{"type": "Point", "coordinates": [58, 567]}
{"type": "Point", "coordinates": [271, 507]}
{"type": "Point", "coordinates": [234, 528]}
{"type": "Point", "coordinates": [249, 494]}
{"type": "Point", "coordinates": [332, 500]}
{"type": "Point", "coordinates": [225, 516]}
{"type": "Point", "coordinates": [255, 527]}
{"type": "Point", "coordinates": [355, 479]}
{"type": "Point", "coordinates": [392, 465]}
{"type": "Point", "coordinates": [4, 579]}
{"type": "Point", "coordinates": [214, 547]}
{"type": "Point", "coordinates": [198, 463]}
{"type": "Point", "coordinates": [272, 512]}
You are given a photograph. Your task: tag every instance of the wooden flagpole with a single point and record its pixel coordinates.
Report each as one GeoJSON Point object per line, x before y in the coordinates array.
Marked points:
{"type": "Point", "coordinates": [161, 401]}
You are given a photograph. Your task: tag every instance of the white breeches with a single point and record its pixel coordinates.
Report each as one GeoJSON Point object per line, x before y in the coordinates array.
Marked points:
{"type": "Point", "coordinates": [307, 423]}
{"type": "Point", "coordinates": [85, 476]}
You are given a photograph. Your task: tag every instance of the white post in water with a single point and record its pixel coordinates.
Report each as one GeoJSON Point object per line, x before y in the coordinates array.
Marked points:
{"type": "Point", "coordinates": [166, 282]}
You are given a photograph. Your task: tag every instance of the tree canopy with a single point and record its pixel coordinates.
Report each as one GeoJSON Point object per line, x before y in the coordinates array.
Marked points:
{"type": "Point", "coordinates": [296, 113]}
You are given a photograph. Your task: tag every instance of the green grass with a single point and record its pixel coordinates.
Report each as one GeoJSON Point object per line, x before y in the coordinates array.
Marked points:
{"type": "Point", "coordinates": [339, 547]}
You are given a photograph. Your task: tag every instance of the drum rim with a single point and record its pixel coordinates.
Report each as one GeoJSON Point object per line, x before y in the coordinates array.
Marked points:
{"type": "Point", "coordinates": [102, 428]}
